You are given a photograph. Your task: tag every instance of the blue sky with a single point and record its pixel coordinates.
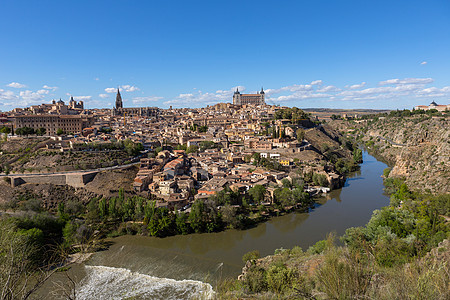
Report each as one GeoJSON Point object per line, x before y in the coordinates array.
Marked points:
{"type": "Point", "coordinates": [337, 54]}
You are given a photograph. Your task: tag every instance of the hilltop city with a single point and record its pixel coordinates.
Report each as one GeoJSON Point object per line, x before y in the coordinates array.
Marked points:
{"type": "Point", "coordinates": [187, 154]}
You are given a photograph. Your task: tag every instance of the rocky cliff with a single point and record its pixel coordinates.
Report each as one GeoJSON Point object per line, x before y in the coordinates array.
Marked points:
{"type": "Point", "coordinates": [418, 148]}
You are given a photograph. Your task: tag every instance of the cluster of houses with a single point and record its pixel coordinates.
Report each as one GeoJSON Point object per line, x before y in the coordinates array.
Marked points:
{"type": "Point", "coordinates": [177, 178]}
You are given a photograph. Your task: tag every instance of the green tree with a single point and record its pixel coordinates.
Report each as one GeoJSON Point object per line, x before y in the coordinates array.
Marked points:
{"type": "Point", "coordinates": [41, 131]}
{"type": "Point", "coordinates": [192, 149]}
{"type": "Point", "coordinates": [197, 216]}
{"type": "Point", "coordinates": [257, 192]}
{"type": "Point", "coordinates": [25, 131]}
{"type": "Point", "coordinates": [5, 130]}
{"type": "Point", "coordinates": [300, 134]}
{"type": "Point", "coordinates": [320, 179]}
{"type": "Point", "coordinates": [59, 131]}
{"type": "Point", "coordinates": [181, 223]}
{"type": "Point", "coordinates": [103, 208]}
{"type": "Point", "coordinates": [207, 145]}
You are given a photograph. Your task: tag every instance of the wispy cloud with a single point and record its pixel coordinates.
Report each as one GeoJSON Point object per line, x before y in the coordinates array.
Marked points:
{"type": "Point", "coordinates": [391, 89]}
{"type": "Point", "coordinates": [82, 98]}
{"type": "Point", "coordinates": [103, 96]}
{"type": "Point", "coordinates": [407, 81]}
{"type": "Point", "coordinates": [143, 100]}
{"type": "Point", "coordinates": [27, 98]}
{"type": "Point", "coordinates": [200, 98]}
{"type": "Point", "coordinates": [123, 88]}
{"type": "Point", "coordinates": [7, 95]}
{"type": "Point", "coordinates": [52, 88]}
{"type": "Point", "coordinates": [423, 63]}
{"type": "Point", "coordinates": [16, 85]}
{"type": "Point", "coordinates": [129, 88]}
{"type": "Point", "coordinates": [356, 86]}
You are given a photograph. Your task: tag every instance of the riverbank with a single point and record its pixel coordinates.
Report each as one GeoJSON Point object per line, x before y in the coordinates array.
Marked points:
{"type": "Point", "coordinates": [404, 244]}
{"type": "Point", "coordinates": [212, 257]}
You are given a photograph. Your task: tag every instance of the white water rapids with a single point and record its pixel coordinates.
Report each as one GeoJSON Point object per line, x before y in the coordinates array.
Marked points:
{"type": "Point", "coordinates": [117, 283]}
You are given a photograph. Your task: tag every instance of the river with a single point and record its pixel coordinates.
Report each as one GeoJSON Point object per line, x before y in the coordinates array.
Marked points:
{"type": "Point", "coordinates": [181, 267]}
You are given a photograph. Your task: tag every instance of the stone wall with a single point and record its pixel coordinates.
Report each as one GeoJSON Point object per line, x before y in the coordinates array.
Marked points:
{"type": "Point", "coordinates": [72, 179]}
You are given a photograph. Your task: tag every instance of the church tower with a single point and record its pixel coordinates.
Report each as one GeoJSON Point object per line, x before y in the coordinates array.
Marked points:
{"type": "Point", "coordinates": [119, 103]}
{"type": "Point", "coordinates": [262, 96]}
{"type": "Point", "coordinates": [237, 97]}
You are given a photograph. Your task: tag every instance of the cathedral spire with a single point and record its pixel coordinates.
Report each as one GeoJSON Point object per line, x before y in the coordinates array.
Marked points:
{"type": "Point", "coordinates": [119, 103]}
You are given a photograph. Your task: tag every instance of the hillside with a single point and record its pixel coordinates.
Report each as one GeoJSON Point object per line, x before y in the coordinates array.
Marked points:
{"type": "Point", "coordinates": [418, 147]}
{"type": "Point", "coordinates": [35, 155]}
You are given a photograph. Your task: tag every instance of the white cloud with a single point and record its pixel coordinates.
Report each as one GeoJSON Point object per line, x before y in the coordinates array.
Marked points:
{"type": "Point", "coordinates": [129, 88]}
{"type": "Point", "coordinates": [434, 92]}
{"type": "Point", "coordinates": [291, 88]}
{"type": "Point", "coordinates": [316, 82]}
{"type": "Point", "coordinates": [142, 100]}
{"type": "Point", "coordinates": [42, 92]}
{"type": "Point", "coordinates": [423, 63]}
{"type": "Point", "coordinates": [391, 90]}
{"type": "Point", "coordinates": [82, 98]}
{"type": "Point", "coordinates": [123, 88]}
{"type": "Point", "coordinates": [407, 81]}
{"type": "Point", "coordinates": [203, 99]}
{"type": "Point", "coordinates": [96, 79]}
{"type": "Point", "coordinates": [7, 95]}
{"type": "Point", "coordinates": [379, 92]}
{"type": "Point", "coordinates": [53, 88]}
{"type": "Point", "coordinates": [16, 85]}
{"type": "Point", "coordinates": [103, 96]}
{"type": "Point", "coordinates": [328, 88]}
{"type": "Point", "coordinates": [356, 86]}
{"type": "Point", "coordinates": [29, 97]}
{"type": "Point", "coordinates": [301, 96]}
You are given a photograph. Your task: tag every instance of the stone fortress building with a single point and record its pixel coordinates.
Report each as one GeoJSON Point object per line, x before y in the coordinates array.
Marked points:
{"type": "Point", "coordinates": [119, 110]}
{"type": "Point", "coordinates": [69, 118]}
{"type": "Point", "coordinates": [249, 99]}
{"type": "Point", "coordinates": [433, 105]}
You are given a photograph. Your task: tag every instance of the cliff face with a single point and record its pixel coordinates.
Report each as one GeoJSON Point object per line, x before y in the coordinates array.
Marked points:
{"type": "Point", "coordinates": [418, 147]}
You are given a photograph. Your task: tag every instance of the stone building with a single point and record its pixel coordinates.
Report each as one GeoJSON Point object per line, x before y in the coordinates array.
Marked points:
{"type": "Point", "coordinates": [54, 108]}
{"type": "Point", "coordinates": [119, 110]}
{"type": "Point", "coordinates": [119, 103]}
{"type": "Point", "coordinates": [51, 123]}
{"type": "Point", "coordinates": [434, 105]}
{"type": "Point", "coordinates": [249, 99]}
{"type": "Point", "coordinates": [75, 105]}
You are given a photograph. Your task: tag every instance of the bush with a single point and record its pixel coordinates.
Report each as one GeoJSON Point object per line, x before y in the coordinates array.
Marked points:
{"type": "Point", "coordinates": [255, 279]}
{"type": "Point", "coordinates": [250, 256]}
{"type": "Point", "coordinates": [320, 179]}
{"type": "Point", "coordinates": [344, 275]}
{"type": "Point", "coordinates": [280, 278]}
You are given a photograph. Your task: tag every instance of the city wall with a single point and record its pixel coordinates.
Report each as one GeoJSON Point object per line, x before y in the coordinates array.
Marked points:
{"type": "Point", "coordinates": [72, 179]}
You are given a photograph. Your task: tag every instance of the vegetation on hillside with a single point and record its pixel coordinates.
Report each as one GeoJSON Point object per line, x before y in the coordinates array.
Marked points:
{"type": "Point", "coordinates": [389, 258]}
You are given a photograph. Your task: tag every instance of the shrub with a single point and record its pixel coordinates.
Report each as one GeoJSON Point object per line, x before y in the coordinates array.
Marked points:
{"type": "Point", "coordinates": [344, 275]}
{"type": "Point", "coordinates": [250, 256]}
{"type": "Point", "coordinates": [255, 279]}
{"type": "Point", "coordinates": [280, 278]}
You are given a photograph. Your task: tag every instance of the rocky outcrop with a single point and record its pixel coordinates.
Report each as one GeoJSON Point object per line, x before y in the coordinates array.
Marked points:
{"type": "Point", "coordinates": [418, 148]}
